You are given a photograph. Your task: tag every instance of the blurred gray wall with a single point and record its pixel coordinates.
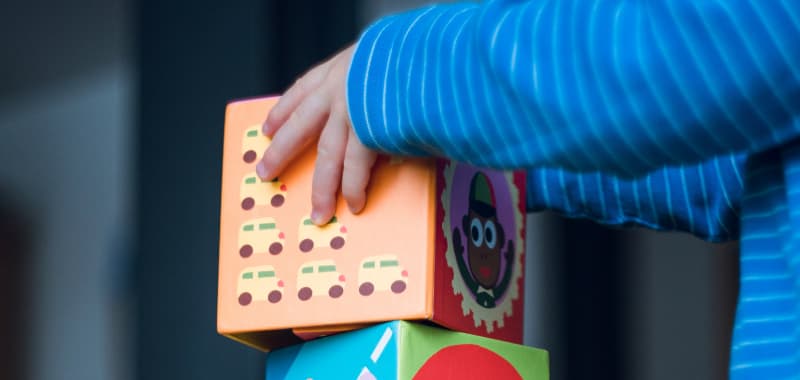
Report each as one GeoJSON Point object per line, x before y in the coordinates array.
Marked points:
{"type": "Point", "coordinates": [193, 58]}
{"type": "Point", "coordinates": [682, 294]}
{"type": "Point", "coordinates": [65, 107]}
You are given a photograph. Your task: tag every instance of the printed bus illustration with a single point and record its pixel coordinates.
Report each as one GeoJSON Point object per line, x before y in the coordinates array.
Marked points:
{"type": "Point", "coordinates": [260, 236]}
{"type": "Point", "coordinates": [255, 192]}
{"type": "Point", "coordinates": [381, 273]}
{"type": "Point", "coordinates": [331, 235]}
{"type": "Point", "coordinates": [319, 278]}
{"type": "Point", "coordinates": [254, 144]}
{"type": "Point", "coordinates": [259, 283]}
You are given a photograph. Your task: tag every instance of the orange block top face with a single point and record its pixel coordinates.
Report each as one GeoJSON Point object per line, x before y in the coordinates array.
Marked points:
{"type": "Point", "coordinates": [277, 270]}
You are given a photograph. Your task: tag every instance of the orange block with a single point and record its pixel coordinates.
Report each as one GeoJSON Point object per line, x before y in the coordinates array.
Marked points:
{"type": "Point", "coordinates": [438, 240]}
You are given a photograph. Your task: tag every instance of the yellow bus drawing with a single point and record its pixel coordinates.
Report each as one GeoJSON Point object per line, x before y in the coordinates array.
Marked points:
{"type": "Point", "coordinates": [254, 144]}
{"type": "Point", "coordinates": [260, 236]}
{"type": "Point", "coordinates": [317, 278]}
{"type": "Point", "coordinates": [381, 273]}
{"type": "Point", "coordinates": [259, 283]}
{"type": "Point", "coordinates": [255, 192]}
{"type": "Point", "coordinates": [312, 236]}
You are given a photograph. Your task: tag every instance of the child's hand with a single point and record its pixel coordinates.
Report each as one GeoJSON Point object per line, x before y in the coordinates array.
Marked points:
{"type": "Point", "coordinates": [316, 107]}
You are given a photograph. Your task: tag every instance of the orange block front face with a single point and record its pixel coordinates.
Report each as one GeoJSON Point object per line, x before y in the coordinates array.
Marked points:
{"type": "Point", "coordinates": [438, 240]}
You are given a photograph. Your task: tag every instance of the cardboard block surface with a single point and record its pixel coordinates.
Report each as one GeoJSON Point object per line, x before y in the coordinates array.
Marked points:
{"type": "Point", "coordinates": [403, 350]}
{"type": "Point", "coordinates": [438, 241]}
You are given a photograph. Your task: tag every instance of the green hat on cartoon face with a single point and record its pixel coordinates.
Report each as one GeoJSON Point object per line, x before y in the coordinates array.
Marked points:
{"type": "Point", "coordinates": [481, 195]}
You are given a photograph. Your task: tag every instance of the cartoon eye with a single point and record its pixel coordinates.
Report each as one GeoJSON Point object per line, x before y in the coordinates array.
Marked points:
{"type": "Point", "coordinates": [490, 234]}
{"type": "Point", "coordinates": [476, 232]}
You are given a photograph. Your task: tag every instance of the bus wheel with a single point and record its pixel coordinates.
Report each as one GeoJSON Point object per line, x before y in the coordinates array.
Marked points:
{"type": "Point", "coordinates": [245, 299]}
{"type": "Point", "coordinates": [275, 248]}
{"type": "Point", "coordinates": [306, 245]}
{"type": "Point", "coordinates": [277, 200]}
{"type": "Point", "coordinates": [246, 250]}
{"type": "Point", "coordinates": [249, 156]}
{"type": "Point", "coordinates": [398, 286]}
{"type": "Point", "coordinates": [335, 291]}
{"type": "Point", "coordinates": [248, 203]}
{"type": "Point", "coordinates": [304, 294]}
{"type": "Point", "coordinates": [366, 289]}
{"type": "Point", "coordinates": [337, 242]}
{"type": "Point", "coordinates": [274, 296]}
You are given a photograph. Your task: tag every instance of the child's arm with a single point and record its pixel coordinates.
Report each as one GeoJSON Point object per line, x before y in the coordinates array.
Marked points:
{"type": "Point", "coordinates": [622, 87]}
{"type": "Point", "coordinates": [703, 199]}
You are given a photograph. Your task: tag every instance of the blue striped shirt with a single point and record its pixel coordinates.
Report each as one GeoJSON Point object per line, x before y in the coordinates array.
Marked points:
{"type": "Point", "coordinates": [672, 114]}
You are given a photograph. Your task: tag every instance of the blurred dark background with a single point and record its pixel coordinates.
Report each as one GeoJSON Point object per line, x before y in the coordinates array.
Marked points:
{"type": "Point", "coordinates": [111, 115]}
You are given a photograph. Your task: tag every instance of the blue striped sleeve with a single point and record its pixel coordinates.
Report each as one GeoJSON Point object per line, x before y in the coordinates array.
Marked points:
{"type": "Point", "coordinates": [704, 199]}
{"type": "Point", "coordinates": [623, 87]}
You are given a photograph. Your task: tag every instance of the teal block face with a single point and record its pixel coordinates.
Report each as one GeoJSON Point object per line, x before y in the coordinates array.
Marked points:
{"type": "Point", "coordinates": [366, 354]}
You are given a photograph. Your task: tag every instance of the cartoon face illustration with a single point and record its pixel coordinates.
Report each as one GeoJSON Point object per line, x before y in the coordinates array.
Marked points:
{"type": "Point", "coordinates": [312, 236]}
{"type": "Point", "coordinates": [254, 144]}
{"type": "Point", "coordinates": [259, 283]}
{"type": "Point", "coordinates": [260, 236]}
{"type": "Point", "coordinates": [255, 192]}
{"type": "Point", "coordinates": [486, 246]}
{"type": "Point", "coordinates": [318, 278]}
{"type": "Point", "coordinates": [381, 273]}
{"type": "Point", "coordinates": [483, 253]}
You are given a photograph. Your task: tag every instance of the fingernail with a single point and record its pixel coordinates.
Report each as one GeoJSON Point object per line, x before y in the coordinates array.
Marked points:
{"type": "Point", "coordinates": [265, 128]}
{"type": "Point", "coordinates": [354, 209]}
{"type": "Point", "coordinates": [316, 217]}
{"type": "Point", "coordinates": [261, 170]}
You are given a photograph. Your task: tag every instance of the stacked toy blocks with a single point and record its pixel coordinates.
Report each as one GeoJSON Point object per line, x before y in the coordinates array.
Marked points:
{"type": "Point", "coordinates": [438, 241]}
{"type": "Point", "coordinates": [403, 350]}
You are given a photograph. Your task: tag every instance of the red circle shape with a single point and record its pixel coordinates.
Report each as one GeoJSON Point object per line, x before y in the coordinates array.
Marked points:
{"type": "Point", "coordinates": [474, 363]}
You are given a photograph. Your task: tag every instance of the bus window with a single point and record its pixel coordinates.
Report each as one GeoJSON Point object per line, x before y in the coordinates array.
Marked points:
{"type": "Point", "coordinates": [266, 274]}
{"type": "Point", "coordinates": [327, 268]}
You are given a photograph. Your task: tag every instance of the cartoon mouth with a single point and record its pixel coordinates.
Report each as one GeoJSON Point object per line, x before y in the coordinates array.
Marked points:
{"type": "Point", "coordinates": [484, 271]}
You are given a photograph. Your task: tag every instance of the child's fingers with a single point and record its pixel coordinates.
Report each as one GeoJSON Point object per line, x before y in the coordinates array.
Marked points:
{"type": "Point", "coordinates": [328, 168]}
{"type": "Point", "coordinates": [293, 97]}
{"type": "Point", "coordinates": [358, 162]}
{"type": "Point", "coordinates": [302, 127]}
